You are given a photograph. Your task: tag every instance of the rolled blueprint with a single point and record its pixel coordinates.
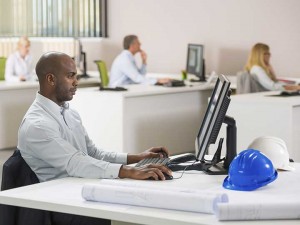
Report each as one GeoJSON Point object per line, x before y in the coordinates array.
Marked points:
{"type": "Point", "coordinates": [266, 211]}
{"type": "Point", "coordinates": [177, 199]}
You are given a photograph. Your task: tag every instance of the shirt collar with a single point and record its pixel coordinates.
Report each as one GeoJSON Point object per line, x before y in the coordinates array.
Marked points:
{"type": "Point", "coordinates": [129, 54]}
{"type": "Point", "coordinates": [50, 105]}
{"type": "Point", "coordinates": [19, 56]}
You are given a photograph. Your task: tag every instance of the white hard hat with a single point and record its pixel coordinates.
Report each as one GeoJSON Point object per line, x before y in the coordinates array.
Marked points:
{"type": "Point", "coordinates": [275, 149]}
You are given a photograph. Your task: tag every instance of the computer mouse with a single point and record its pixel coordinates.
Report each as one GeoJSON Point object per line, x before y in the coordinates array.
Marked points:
{"type": "Point", "coordinates": [167, 177]}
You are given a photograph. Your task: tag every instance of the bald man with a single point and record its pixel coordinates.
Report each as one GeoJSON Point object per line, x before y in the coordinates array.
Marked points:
{"type": "Point", "coordinates": [53, 141]}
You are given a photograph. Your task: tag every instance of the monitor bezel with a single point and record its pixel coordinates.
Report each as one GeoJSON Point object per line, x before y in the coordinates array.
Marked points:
{"type": "Point", "coordinates": [208, 124]}
{"type": "Point", "coordinates": [201, 74]}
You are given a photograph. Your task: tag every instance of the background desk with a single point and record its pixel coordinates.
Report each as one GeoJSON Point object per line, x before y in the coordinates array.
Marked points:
{"type": "Point", "coordinates": [143, 117]}
{"type": "Point", "coordinates": [15, 99]}
{"type": "Point", "coordinates": [64, 195]}
{"type": "Point", "coordinates": [259, 114]}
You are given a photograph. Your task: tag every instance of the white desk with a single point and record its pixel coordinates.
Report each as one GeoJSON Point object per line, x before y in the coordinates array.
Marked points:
{"type": "Point", "coordinates": [15, 101]}
{"type": "Point", "coordinates": [143, 117]}
{"type": "Point", "coordinates": [258, 115]}
{"type": "Point", "coordinates": [64, 195]}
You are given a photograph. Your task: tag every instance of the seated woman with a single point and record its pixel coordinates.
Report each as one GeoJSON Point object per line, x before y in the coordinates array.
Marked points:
{"type": "Point", "coordinates": [19, 65]}
{"type": "Point", "coordinates": [259, 65]}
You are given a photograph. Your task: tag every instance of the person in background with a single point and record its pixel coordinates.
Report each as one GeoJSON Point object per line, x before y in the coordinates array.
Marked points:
{"type": "Point", "coordinates": [124, 69]}
{"type": "Point", "coordinates": [55, 144]}
{"type": "Point", "coordinates": [19, 66]}
{"type": "Point", "coordinates": [259, 65]}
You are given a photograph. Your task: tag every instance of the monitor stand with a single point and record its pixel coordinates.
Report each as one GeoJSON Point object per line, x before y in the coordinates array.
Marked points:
{"type": "Point", "coordinates": [84, 74]}
{"type": "Point", "coordinates": [216, 166]}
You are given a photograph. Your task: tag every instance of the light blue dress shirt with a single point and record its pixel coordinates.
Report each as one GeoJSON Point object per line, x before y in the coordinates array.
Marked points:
{"type": "Point", "coordinates": [125, 71]}
{"type": "Point", "coordinates": [54, 143]}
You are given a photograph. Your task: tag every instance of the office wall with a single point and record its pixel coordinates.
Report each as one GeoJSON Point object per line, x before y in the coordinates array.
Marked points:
{"type": "Point", "coordinates": [227, 28]}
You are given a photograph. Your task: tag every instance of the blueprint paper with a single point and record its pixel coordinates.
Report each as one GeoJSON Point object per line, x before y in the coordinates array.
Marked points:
{"type": "Point", "coordinates": [204, 202]}
{"type": "Point", "coordinates": [235, 211]}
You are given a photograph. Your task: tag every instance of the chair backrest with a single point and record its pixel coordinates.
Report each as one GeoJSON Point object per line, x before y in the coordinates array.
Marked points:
{"type": "Point", "coordinates": [2, 68]}
{"type": "Point", "coordinates": [247, 83]}
{"type": "Point", "coordinates": [103, 72]}
{"type": "Point", "coordinates": [16, 173]}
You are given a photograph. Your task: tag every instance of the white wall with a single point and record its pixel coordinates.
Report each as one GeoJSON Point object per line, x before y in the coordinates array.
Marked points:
{"type": "Point", "coordinates": [227, 28]}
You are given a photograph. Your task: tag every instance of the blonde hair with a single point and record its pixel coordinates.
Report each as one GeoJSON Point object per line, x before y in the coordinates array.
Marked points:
{"type": "Point", "coordinates": [256, 57]}
{"type": "Point", "coordinates": [23, 41]}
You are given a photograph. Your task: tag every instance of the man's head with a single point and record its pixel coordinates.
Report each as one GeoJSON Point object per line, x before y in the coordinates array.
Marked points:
{"type": "Point", "coordinates": [132, 43]}
{"type": "Point", "coordinates": [57, 76]}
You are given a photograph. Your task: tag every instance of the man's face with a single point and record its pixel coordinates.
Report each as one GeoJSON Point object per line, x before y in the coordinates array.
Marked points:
{"type": "Point", "coordinates": [66, 81]}
{"type": "Point", "coordinates": [136, 46]}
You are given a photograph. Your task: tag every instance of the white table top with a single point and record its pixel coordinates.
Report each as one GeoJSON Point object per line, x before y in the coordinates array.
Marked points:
{"type": "Point", "coordinates": [64, 195]}
{"type": "Point", "coordinates": [94, 79]}
{"type": "Point", "coordinates": [269, 97]}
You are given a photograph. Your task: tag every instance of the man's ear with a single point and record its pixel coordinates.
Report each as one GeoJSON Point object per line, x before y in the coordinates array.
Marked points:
{"type": "Point", "coordinates": [50, 79]}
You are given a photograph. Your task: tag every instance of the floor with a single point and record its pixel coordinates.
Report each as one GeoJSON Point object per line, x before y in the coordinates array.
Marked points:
{"type": "Point", "coordinates": [4, 155]}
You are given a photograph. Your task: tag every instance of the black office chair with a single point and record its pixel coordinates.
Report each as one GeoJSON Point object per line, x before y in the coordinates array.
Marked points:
{"type": "Point", "coordinates": [16, 173]}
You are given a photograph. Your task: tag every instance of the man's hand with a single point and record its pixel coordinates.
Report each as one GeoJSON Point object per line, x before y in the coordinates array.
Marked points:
{"type": "Point", "coordinates": [142, 173]}
{"type": "Point", "coordinates": [163, 80]}
{"type": "Point", "coordinates": [292, 87]}
{"type": "Point", "coordinates": [144, 57]}
{"type": "Point", "coordinates": [154, 152]}
{"type": "Point", "coordinates": [22, 78]}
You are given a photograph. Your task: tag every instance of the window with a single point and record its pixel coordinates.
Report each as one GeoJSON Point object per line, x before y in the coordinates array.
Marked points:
{"type": "Point", "coordinates": [53, 18]}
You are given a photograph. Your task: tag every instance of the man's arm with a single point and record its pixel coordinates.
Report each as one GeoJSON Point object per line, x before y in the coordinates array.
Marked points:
{"type": "Point", "coordinates": [44, 143]}
{"type": "Point", "coordinates": [131, 71]}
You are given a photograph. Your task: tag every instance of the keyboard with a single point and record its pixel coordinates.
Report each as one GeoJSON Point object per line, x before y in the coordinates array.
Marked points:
{"type": "Point", "coordinates": [159, 161]}
{"type": "Point", "coordinates": [174, 83]}
{"type": "Point", "coordinates": [290, 93]}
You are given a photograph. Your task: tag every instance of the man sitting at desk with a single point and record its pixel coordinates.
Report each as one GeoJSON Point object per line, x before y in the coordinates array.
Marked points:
{"type": "Point", "coordinates": [53, 141]}
{"type": "Point", "coordinates": [124, 69]}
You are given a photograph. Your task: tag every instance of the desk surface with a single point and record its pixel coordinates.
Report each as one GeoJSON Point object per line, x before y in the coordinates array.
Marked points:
{"type": "Point", "coordinates": [93, 80]}
{"type": "Point", "coordinates": [64, 195]}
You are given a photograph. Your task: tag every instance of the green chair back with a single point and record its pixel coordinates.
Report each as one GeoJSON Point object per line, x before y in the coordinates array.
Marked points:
{"type": "Point", "coordinates": [103, 72]}
{"type": "Point", "coordinates": [2, 68]}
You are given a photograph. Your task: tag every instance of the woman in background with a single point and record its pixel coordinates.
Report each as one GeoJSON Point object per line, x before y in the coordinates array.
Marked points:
{"type": "Point", "coordinates": [259, 65]}
{"type": "Point", "coordinates": [19, 65]}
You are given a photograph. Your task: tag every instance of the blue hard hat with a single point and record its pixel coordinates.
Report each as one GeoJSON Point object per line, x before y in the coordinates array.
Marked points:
{"type": "Point", "coordinates": [249, 170]}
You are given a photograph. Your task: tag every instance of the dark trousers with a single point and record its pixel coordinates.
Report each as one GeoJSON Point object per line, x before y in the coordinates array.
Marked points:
{"type": "Point", "coordinates": [69, 219]}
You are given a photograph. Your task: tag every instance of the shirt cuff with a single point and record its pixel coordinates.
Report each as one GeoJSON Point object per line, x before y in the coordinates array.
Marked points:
{"type": "Point", "coordinates": [121, 158]}
{"type": "Point", "coordinates": [112, 171]}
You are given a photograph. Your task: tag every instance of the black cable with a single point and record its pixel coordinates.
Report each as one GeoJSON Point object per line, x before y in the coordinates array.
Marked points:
{"type": "Point", "coordinates": [185, 170]}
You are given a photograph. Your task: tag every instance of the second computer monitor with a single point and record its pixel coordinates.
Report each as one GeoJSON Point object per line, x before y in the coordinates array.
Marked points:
{"type": "Point", "coordinates": [195, 61]}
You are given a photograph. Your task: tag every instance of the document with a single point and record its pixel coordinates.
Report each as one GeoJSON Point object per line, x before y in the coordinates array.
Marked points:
{"type": "Point", "coordinates": [153, 196]}
{"type": "Point", "coordinates": [235, 211]}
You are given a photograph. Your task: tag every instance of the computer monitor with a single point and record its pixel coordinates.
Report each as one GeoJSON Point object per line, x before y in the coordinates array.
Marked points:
{"type": "Point", "coordinates": [209, 130]}
{"type": "Point", "coordinates": [82, 59]}
{"type": "Point", "coordinates": [214, 117]}
{"type": "Point", "coordinates": [195, 62]}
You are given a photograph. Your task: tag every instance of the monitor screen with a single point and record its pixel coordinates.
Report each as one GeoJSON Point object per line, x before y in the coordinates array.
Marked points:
{"type": "Point", "coordinates": [195, 61]}
{"type": "Point", "coordinates": [214, 116]}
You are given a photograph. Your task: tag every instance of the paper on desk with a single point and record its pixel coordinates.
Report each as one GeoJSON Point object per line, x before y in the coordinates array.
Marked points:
{"type": "Point", "coordinates": [235, 211]}
{"type": "Point", "coordinates": [194, 201]}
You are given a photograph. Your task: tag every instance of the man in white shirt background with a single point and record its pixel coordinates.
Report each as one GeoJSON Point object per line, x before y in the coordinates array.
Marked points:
{"type": "Point", "coordinates": [125, 70]}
